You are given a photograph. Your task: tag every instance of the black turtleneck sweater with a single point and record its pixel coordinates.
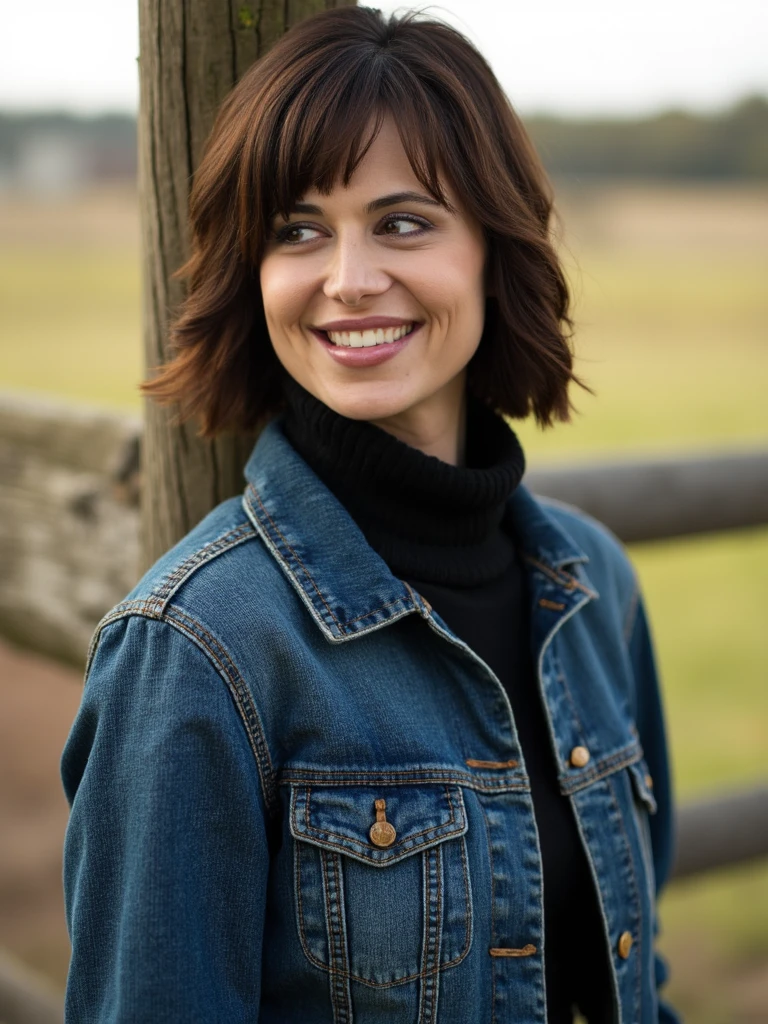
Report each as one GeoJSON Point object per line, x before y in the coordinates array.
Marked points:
{"type": "Point", "coordinates": [443, 530]}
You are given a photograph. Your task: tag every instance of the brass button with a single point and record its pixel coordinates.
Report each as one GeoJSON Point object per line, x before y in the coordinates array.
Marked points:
{"type": "Point", "coordinates": [624, 945]}
{"type": "Point", "coordinates": [579, 757]}
{"type": "Point", "coordinates": [382, 833]}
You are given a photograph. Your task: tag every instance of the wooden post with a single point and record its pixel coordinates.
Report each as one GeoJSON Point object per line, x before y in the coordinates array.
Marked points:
{"type": "Point", "coordinates": [192, 53]}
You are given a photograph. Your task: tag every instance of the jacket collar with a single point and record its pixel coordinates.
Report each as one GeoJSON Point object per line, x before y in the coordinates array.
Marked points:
{"type": "Point", "coordinates": [345, 584]}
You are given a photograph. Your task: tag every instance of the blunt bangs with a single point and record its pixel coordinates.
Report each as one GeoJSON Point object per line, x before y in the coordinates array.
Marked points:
{"type": "Point", "coordinates": [303, 117]}
{"type": "Point", "coordinates": [316, 137]}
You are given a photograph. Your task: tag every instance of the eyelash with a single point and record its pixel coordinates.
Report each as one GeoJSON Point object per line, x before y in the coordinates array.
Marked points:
{"type": "Point", "coordinates": [282, 235]}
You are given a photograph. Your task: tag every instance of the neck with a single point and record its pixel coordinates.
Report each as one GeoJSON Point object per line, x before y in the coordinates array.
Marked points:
{"type": "Point", "coordinates": [427, 518]}
{"type": "Point", "coordinates": [437, 426]}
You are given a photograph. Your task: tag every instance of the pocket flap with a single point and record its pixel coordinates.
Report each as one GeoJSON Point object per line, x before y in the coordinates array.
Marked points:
{"type": "Point", "coordinates": [340, 818]}
{"type": "Point", "coordinates": [642, 783]}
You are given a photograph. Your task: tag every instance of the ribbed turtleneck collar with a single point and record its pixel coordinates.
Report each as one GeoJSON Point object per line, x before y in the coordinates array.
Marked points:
{"type": "Point", "coordinates": [427, 519]}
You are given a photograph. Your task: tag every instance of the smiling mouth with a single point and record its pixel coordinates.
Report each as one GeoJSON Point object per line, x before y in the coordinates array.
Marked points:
{"type": "Point", "coordinates": [367, 339]}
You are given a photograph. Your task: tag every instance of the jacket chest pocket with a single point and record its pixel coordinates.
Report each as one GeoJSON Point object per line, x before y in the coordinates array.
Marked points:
{"type": "Point", "coordinates": [381, 880]}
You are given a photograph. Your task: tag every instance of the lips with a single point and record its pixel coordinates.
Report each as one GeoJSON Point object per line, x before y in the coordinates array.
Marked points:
{"type": "Point", "coordinates": [367, 348]}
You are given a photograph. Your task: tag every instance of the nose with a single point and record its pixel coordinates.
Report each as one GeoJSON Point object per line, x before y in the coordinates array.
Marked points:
{"type": "Point", "coordinates": [354, 272]}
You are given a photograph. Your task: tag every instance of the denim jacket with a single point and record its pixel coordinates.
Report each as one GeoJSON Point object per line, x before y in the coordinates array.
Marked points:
{"type": "Point", "coordinates": [297, 797]}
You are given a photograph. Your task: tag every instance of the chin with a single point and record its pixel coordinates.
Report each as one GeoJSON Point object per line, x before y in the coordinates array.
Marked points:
{"type": "Point", "coordinates": [367, 401]}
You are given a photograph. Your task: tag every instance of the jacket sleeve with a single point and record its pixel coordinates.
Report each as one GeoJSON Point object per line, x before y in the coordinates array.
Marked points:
{"type": "Point", "coordinates": [649, 716]}
{"type": "Point", "coordinates": [165, 860]}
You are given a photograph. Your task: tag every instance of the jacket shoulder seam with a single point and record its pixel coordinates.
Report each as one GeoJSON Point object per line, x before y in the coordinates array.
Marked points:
{"type": "Point", "coordinates": [240, 693]}
{"type": "Point", "coordinates": [225, 667]}
{"type": "Point", "coordinates": [163, 591]}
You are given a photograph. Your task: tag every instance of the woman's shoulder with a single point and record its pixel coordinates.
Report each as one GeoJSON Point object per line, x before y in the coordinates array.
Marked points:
{"type": "Point", "coordinates": [218, 577]}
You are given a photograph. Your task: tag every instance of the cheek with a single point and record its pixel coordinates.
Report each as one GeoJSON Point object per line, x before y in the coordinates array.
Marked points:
{"type": "Point", "coordinates": [456, 295]}
{"type": "Point", "coordinates": [281, 294]}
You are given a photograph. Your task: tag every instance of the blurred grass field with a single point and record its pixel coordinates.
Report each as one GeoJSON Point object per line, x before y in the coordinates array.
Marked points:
{"type": "Point", "coordinates": [672, 315]}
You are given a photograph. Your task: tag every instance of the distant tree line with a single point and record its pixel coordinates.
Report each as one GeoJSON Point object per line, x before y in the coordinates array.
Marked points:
{"type": "Point", "coordinates": [727, 146]}
{"type": "Point", "coordinates": [105, 129]}
{"type": "Point", "coordinates": [732, 145]}
{"type": "Point", "coordinates": [88, 148]}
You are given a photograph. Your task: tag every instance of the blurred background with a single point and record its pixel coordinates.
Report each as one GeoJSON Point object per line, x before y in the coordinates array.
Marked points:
{"type": "Point", "coordinates": [653, 123]}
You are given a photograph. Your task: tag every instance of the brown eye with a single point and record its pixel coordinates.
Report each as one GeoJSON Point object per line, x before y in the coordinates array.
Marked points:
{"type": "Point", "coordinates": [296, 234]}
{"type": "Point", "coordinates": [402, 226]}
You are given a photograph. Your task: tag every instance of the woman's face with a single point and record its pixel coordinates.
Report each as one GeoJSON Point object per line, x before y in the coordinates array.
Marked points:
{"type": "Point", "coordinates": [374, 295]}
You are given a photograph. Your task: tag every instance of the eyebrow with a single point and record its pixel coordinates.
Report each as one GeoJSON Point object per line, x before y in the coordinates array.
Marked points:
{"type": "Point", "coordinates": [393, 199]}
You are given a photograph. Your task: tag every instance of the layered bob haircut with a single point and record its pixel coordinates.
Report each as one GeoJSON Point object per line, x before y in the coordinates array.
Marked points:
{"type": "Point", "coordinates": [304, 116]}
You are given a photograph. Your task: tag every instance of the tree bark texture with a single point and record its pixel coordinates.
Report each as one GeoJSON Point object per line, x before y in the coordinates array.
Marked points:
{"type": "Point", "coordinates": [191, 54]}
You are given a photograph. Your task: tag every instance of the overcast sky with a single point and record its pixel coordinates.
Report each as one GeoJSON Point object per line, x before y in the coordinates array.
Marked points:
{"type": "Point", "coordinates": [567, 56]}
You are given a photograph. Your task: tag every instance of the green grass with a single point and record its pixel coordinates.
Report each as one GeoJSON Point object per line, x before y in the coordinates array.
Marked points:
{"type": "Point", "coordinates": [674, 348]}
{"type": "Point", "coordinates": [74, 320]}
{"type": "Point", "coordinates": [672, 337]}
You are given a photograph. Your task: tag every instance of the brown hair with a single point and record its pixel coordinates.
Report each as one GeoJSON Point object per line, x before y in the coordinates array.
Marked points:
{"type": "Point", "coordinates": [301, 117]}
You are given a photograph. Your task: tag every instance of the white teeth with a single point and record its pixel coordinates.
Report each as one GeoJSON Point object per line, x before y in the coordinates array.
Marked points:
{"type": "Point", "coordinates": [365, 339]}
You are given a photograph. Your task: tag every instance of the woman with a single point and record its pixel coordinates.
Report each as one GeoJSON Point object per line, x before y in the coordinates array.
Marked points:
{"type": "Point", "coordinates": [377, 741]}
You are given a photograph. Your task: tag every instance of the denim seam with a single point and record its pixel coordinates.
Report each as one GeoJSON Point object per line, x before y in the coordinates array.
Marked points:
{"type": "Point", "coordinates": [197, 634]}
{"type": "Point", "coordinates": [343, 937]}
{"type": "Point", "coordinates": [412, 595]}
{"type": "Point", "coordinates": [120, 611]}
{"type": "Point", "coordinates": [328, 832]}
{"type": "Point", "coordinates": [338, 867]}
{"type": "Point", "coordinates": [470, 917]}
{"type": "Point", "coordinates": [341, 626]}
{"type": "Point", "coordinates": [367, 615]}
{"type": "Point", "coordinates": [401, 779]}
{"type": "Point", "coordinates": [430, 981]}
{"type": "Point", "coordinates": [601, 769]}
{"type": "Point", "coordinates": [167, 587]}
{"type": "Point", "coordinates": [323, 857]}
{"type": "Point", "coordinates": [425, 910]}
{"type": "Point", "coordinates": [306, 571]}
{"type": "Point", "coordinates": [336, 937]}
{"type": "Point", "coordinates": [560, 576]}
{"type": "Point", "coordinates": [638, 902]}
{"type": "Point", "coordinates": [242, 697]}
{"type": "Point", "coordinates": [493, 911]}
{"type": "Point", "coordinates": [300, 907]}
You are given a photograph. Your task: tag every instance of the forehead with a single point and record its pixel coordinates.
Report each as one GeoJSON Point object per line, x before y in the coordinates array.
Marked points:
{"type": "Point", "coordinates": [385, 160]}
{"type": "Point", "coordinates": [384, 170]}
